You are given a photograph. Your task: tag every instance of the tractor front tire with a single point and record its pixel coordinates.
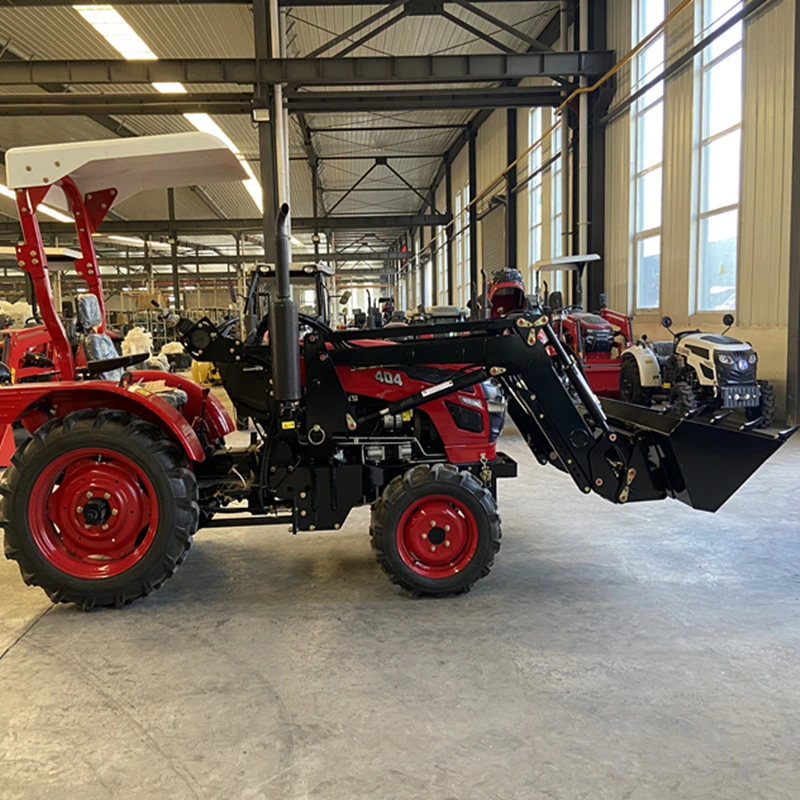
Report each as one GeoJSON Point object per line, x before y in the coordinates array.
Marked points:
{"type": "Point", "coordinates": [684, 398]}
{"type": "Point", "coordinates": [766, 408]}
{"type": "Point", "coordinates": [99, 508]}
{"type": "Point", "coordinates": [435, 530]}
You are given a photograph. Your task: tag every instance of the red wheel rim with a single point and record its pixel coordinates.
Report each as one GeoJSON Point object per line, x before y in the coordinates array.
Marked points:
{"type": "Point", "coordinates": [93, 513]}
{"type": "Point", "coordinates": [437, 536]}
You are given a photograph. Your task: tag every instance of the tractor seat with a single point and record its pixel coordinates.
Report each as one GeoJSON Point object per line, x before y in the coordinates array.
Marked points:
{"type": "Point", "coordinates": [175, 397]}
{"type": "Point", "coordinates": [662, 350]}
{"type": "Point", "coordinates": [97, 346]}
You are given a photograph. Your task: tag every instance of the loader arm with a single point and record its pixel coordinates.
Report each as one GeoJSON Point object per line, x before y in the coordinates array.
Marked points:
{"type": "Point", "coordinates": [633, 454]}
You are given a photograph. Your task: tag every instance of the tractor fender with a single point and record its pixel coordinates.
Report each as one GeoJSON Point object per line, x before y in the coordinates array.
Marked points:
{"type": "Point", "coordinates": [649, 369]}
{"type": "Point", "coordinates": [202, 407]}
{"type": "Point", "coordinates": [33, 404]}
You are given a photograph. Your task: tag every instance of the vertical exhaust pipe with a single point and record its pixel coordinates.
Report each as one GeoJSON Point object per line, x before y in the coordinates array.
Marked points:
{"type": "Point", "coordinates": [283, 322]}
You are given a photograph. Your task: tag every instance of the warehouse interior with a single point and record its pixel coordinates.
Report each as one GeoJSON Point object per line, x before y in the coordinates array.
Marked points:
{"type": "Point", "coordinates": [642, 651]}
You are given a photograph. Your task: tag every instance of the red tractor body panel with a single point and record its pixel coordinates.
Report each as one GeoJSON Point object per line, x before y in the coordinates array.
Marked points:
{"type": "Point", "coordinates": [391, 385]}
{"type": "Point", "coordinates": [16, 342]}
{"type": "Point", "coordinates": [33, 404]}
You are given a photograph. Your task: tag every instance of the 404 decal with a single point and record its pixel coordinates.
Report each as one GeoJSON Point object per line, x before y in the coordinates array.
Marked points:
{"type": "Point", "coordinates": [384, 376]}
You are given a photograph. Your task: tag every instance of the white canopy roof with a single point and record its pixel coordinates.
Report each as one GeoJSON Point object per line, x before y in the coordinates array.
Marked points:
{"type": "Point", "coordinates": [566, 263]}
{"type": "Point", "coordinates": [128, 165]}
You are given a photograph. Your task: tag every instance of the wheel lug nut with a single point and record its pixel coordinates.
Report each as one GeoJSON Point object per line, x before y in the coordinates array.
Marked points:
{"type": "Point", "coordinates": [447, 543]}
{"type": "Point", "coordinates": [106, 496]}
{"type": "Point", "coordinates": [114, 512]}
{"type": "Point", "coordinates": [433, 548]}
{"type": "Point", "coordinates": [79, 509]}
{"type": "Point", "coordinates": [87, 526]}
{"type": "Point", "coordinates": [447, 527]}
{"type": "Point", "coordinates": [89, 495]}
{"type": "Point", "coordinates": [105, 527]}
{"type": "Point", "coordinates": [433, 523]}
{"type": "Point", "coordinates": [424, 535]}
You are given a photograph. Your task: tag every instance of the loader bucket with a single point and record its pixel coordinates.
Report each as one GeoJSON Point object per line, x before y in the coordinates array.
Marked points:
{"type": "Point", "coordinates": [697, 462]}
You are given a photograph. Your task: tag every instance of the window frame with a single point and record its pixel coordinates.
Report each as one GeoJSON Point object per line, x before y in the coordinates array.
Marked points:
{"type": "Point", "coordinates": [703, 66]}
{"type": "Point", "coordinates": [639, 110]}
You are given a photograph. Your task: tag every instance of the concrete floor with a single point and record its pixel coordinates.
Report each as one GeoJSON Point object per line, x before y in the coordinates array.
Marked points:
{"type": "Point", "coordinates": [639, 652]}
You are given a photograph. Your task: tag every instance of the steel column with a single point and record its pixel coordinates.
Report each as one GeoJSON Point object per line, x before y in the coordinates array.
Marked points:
{"type": "Point", "coordinates": [597, 166]}
{"type": "Point", "coordinates": [449, 230]}
{"type": "Point", "coordinates": [262, 33]}
{"type": "Point", "coordinates": [434, 256]}
{"type": "Point", "coordinates": [474, 289]}
{"type": "Point", "coordinates": [793, 328]}
{"type": "Point", "coordinates": [173, 244]}
{"type": "Point", "coordinates": [511, 186]}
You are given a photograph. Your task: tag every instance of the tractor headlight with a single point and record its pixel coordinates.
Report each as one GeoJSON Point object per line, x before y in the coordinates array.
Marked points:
{"type": "Point", "coordinates": [752, 358]}
{"type": "Point", "coordinates": [723, 359]}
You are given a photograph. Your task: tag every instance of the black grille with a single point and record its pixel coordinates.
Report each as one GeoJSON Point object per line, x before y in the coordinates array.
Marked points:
{"type": "Point", "coordinates": [465, 418]}
{"type": "Point", "coordinates": [732, 373]}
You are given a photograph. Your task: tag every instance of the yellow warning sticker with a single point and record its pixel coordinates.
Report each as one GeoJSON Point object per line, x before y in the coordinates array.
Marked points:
{"type": "Point", "coordinates": [287, 424]}
{"type": "Point", "coordinates": [406, 416]}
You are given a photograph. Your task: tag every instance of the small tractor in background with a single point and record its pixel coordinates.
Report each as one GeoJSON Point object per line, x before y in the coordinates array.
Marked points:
{"type": "Point", "coordinates": [698, 372]}
{"type": "Point", "coordinates": [597, 339]}
{"type": "Point", "coordinates": [101, 502]}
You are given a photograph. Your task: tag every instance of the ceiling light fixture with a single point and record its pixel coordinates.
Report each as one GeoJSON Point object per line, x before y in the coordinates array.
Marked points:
{"type": "Point", "coordinates": [110, 24]}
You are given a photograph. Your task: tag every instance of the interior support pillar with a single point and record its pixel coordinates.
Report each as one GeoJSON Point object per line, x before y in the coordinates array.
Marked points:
{"type": "Point", "coordinates": [793, 331]}
{"type": "Point", "coordinates": [511, 185]}
{"type": "Point", "coordinates": [448, 185]}
{"type": "Point", "coordinates": [474, 290]}
{"type": "Point", "coordinates": [267, 149]}
{"type": "Point", "coordinates": [173, 246]}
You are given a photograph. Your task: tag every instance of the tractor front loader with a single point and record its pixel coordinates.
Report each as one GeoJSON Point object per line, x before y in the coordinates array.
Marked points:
{"type": "Point", "coordinates": [101, 504]}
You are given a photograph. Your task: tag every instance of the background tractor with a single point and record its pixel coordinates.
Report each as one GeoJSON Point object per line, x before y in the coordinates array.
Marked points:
{"type": "Point", "coordinates": [698, 371]}
{"type": "Point", "coordinates": [597, 339]}
{"type": "Point", "coordinates": [101, 503]}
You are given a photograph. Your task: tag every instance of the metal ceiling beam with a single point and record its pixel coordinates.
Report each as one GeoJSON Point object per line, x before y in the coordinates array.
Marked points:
{"type": "Point", "coordinates": [371, 128]}
{"type": "Point", "coordinates": [93, 105]}
{"type": "Point", "coordinates": [360, 70]}
{"type": "Point", "coordinates": [290, 3]}
{"type": "Point", "coordinates": [192, 260]}
{"type": "Point", "coordinates": [329, 189]}
{"type": "Point", "coordinates": [9, 231]}
{"type": "Point", "coordinates": [361, 157]}
{"type": "Point", "coordinates": [434, 99]}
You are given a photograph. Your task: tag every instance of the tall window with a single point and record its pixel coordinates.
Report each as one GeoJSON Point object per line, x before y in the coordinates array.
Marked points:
{"type": "Point", "coordinates": [462, 235]}
{"type": "Point", "coordinates": [719, 120]}
{"type": "Point", "coordinates": [647, 137]}
{"type": "Point", "coordinates": [535, 193]}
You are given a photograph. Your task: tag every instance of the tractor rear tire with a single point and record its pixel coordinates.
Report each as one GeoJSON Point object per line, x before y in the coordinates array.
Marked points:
{"type": "Point", "coordinates": [99, 508]}
{"type": "Point", "coordinates": [630, 383]}
{"type": "Point", "coordinates": [435, 530]}
{"type": "Point", "coordinates": [766, 409]}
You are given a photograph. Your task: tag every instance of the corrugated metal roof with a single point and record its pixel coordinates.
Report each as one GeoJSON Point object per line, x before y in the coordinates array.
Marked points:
{"type": "Point", "coordinates": [208, 31]}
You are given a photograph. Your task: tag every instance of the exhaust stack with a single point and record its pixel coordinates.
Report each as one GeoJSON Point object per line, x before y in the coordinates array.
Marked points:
{"type": "Point", "coordinates": [283, 322]}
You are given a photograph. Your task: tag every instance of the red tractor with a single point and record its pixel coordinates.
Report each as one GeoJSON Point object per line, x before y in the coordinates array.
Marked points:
{"type": "Point", "coordinates": [101, 503]}
{"type": "Point", "coordinates": [598, 339]}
